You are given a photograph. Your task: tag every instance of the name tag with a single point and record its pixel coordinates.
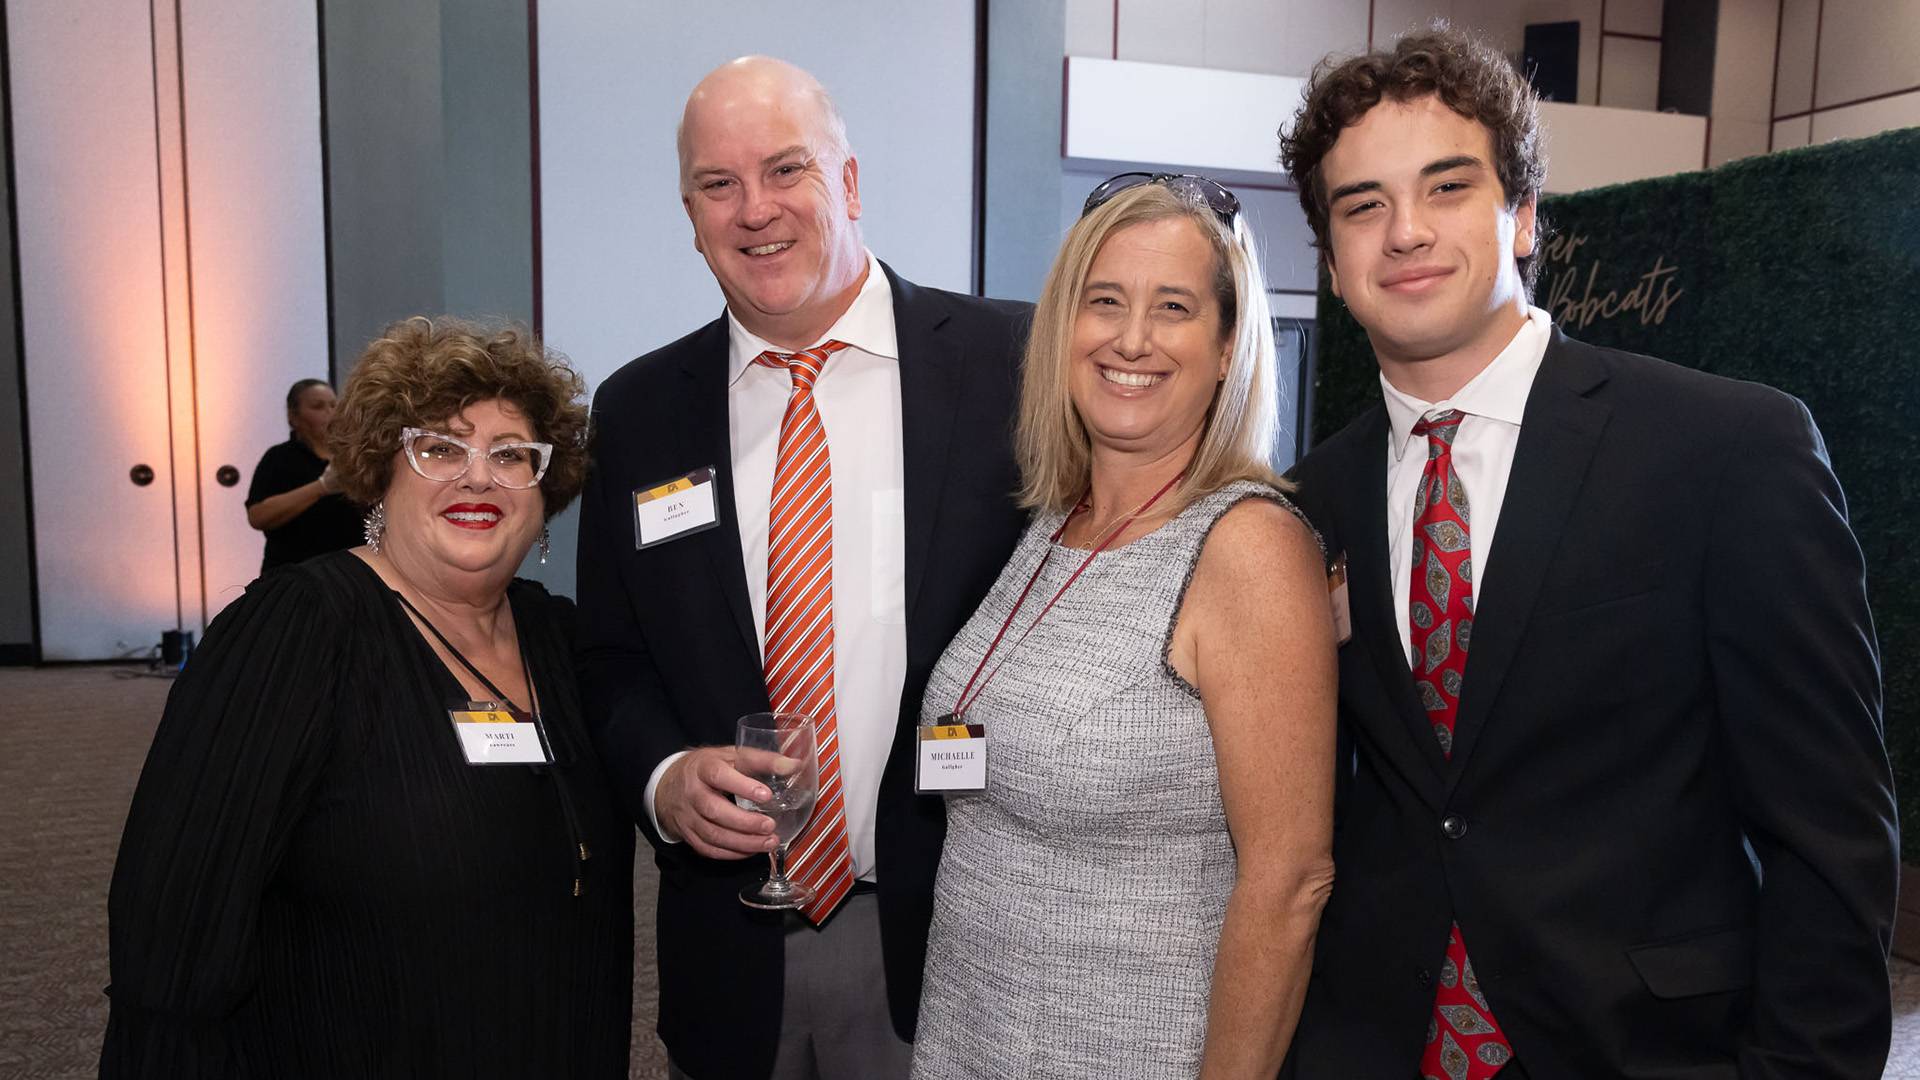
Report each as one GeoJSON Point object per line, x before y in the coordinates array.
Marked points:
{"type": "Point", "coordinates": [1337, 592]}
{"type": "Point", "coordinates": [497, 737]}
{"type": "Point", "coordinates": [953, 757]}
{"type": "Point", "coordinates": [674, 508]}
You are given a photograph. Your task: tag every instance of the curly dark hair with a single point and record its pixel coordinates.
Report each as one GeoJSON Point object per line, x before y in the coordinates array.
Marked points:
{"type": "Point", "coordinates": [422, 372]}
{"type": "Point", "coordinates": [1469, 76]}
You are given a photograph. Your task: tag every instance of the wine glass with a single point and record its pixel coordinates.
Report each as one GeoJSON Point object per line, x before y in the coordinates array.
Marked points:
{"type": "Point", "coordinates": [779, 751]}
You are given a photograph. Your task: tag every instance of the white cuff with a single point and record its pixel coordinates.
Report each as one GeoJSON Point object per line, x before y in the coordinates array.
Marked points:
{"type": "Point", "coordinates": [654, 782]}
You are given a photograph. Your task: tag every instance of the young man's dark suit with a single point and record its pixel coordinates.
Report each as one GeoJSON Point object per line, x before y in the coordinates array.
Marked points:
{"type": "Point", "coordinates": [1667, 828]}
{"type": "Point", "coordinates": [669, 657]}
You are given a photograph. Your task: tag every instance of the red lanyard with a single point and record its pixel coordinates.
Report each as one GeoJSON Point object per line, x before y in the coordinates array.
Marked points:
{"type": "Point", "coordinates": [960, 706]}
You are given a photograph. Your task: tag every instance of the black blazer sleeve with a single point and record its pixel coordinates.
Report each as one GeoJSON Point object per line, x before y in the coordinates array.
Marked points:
{"type": "Point", "coordinates": [242, 742]}
{"type": "Point", "coordinates": [1797, 675]}
{"type": "Point", "coordinates": [627, 707]}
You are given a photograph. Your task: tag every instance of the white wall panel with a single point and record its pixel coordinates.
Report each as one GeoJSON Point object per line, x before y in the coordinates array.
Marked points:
{"type": "Point", "coordinates": [93, 317]}
{"type": "Point", "coordinates": [1735, 139]}
{"type": "Point", "coordinates": [1868, 118]}
{"type": "Point", "coordinates": [1631, 79]}
{"type": "Point", "coordinates": [1788, 134]}
{"type": "Point", "coordinates": [1089, 28]}
{"type": "Point", "coordinates": [1252, 35]}
{"type": "Point", "coordinates": [1122, 110]}
{"type": "Point", "coordinates": [1313, 29]}
{"type": "Point", "coordinates": [1164, 31]}
{"type": "Point", "coordinates": [172, 283]}
{"type": "Point", "coordinates": [1118, 110]}
{"type": "Point", "coordinates": [1743, 78]}
{"type": "Point", "coordinates": [252, 122]}
{"type": "Point", "coordinates": [1278, 37]}
{"type": "Point", "coordinates": [1743, 59]}
{"type": "Point", "coordinates": [1588, 147]}
{"type": "Point", "coordinates": [1634, 17]}
{"type": "Point", "coordinates": [1793, 82]}
{"type": "Point", "coordinates": [619, 270]}
{"type": "Point", "coordinates": [1391, 18]}
{"type": "Point", "coordinates": [1502, 23]}
{"type": "Point", "coordinates": [1293, 306]}
{"type": "Point", "coordinates": [1867, 47]}
{"type": "Point", "coordinates": [176, 273]}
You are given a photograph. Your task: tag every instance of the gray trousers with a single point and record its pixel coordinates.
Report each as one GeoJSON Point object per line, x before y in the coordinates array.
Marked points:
{"type": "Point", "coordinates": [834, 1022]}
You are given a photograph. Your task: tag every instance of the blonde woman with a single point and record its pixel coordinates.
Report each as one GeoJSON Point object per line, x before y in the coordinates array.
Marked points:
{"type": "Point", "coordinates": [1136, 888]}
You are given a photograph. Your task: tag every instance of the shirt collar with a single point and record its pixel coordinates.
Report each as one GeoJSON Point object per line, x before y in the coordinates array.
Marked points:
{"type": "Point", "coordinates": [1499, 392]}
{"type": "Point", "coordinates": [867, 325]}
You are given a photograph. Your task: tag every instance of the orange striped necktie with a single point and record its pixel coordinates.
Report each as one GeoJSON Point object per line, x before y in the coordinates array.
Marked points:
{"type": "Point", "coordinates": [799, 633]}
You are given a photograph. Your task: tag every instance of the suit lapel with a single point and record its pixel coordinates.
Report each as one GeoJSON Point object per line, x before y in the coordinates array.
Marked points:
{"type": "Point", "coordinates": [1558, 434]}
{"type": "Point", "coordinates": [1363, 520]}
{"type": "Point", "coordinates": [929, 393]}
{"type": "Point", "coordinates": [704, 431]}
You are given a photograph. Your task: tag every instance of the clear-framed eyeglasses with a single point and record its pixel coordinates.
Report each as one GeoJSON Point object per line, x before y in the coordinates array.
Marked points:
{"type": "Point", "coordinates": [445, 459]}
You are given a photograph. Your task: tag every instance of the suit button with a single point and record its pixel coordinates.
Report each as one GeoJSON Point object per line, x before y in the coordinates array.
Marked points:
{"type": "Point", "coordinates": [1453, 826]}
{"type": "Point", "coordinates": [1423, 977]}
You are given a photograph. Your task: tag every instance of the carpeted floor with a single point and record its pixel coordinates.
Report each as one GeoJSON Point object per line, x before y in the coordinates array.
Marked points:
{"type": "Point", "coordinates": [72, 740]}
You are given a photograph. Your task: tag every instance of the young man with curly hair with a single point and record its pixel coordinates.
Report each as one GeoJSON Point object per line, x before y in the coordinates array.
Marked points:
{"type": "Point", "coordinates": [1617, 801]}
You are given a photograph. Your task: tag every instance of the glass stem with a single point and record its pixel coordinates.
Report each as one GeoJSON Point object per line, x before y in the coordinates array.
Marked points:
{"type": "Point", "coordinates": [779, 873]}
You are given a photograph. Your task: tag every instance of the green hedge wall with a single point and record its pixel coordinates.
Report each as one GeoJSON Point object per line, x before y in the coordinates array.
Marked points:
{"type": "Point", "coordinates": [1799, 269]}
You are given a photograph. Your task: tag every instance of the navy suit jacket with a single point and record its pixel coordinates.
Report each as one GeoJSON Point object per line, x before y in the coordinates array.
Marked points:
{"type": "Point", "coordinates": [669, 658]}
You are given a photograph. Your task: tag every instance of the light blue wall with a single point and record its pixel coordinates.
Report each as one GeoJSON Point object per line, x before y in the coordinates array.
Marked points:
{"type": "Point", "coordinates": [429, 162]}
{"type": "Point", "coordinates": [1026, 44]}
{"type": "Point", "coordinates": [486, 235]}
{"type": "Point", "coordinates": [386, 171]}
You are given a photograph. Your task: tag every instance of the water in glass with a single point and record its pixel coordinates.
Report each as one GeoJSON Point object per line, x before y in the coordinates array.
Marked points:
{"type": "Point", "coordinates": [779, 750]}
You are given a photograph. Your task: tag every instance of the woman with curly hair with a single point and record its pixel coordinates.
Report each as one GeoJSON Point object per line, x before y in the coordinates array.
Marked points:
{"type": "Point", "coordinates": [371, 837]}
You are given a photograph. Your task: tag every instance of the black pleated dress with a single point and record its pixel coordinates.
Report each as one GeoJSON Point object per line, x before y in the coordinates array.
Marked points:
{"type": "Point", "coordinates": [314, 883]}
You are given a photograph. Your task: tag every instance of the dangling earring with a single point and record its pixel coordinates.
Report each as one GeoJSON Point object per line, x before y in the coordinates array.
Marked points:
{"type": "Point", "coordinates": [375, 525]}
{"type": "Point", "coordinates": [546, 545]}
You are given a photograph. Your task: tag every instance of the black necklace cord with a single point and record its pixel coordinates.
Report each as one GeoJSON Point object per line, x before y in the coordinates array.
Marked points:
{"type": "Point", "coordinates": [533, 696]}
{"type": "Point", "coordinates": [567, 810]}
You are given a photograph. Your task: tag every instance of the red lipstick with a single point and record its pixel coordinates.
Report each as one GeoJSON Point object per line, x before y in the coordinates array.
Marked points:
{"type": "Point", "coordinates": [473, 515]}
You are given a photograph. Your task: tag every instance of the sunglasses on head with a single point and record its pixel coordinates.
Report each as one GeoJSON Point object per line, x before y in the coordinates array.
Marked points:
{"type": "Point", "coordinates": [1198, 189]}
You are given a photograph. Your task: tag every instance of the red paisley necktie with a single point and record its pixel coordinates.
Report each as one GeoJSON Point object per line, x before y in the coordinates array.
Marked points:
{"type": "Point", "coordinates": [1464, 1041]}
{"type": "Point", "coordinates": [799, 635]}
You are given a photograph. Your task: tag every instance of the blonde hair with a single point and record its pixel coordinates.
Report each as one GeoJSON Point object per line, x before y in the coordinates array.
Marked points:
{"type": "Point", "coordinates": [1051, 441]}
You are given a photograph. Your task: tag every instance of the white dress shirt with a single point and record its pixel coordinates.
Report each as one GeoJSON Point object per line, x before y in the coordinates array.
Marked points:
{"type": "Point", "coordinates": [858, 396]}
{"type": "Point", "coordinates": [1493, 403]}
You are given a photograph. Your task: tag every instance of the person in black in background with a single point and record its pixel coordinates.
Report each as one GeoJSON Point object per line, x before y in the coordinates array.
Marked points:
{"type": "Point", "coordinates": [295, 498]}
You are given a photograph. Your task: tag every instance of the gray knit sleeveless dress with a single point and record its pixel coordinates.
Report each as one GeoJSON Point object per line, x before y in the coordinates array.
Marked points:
{"type": "Point", "coordinates": [1081, 894]}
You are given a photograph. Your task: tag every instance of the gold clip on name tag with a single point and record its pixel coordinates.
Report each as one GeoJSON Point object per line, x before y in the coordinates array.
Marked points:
{"type": "Point", "coordinates": [952, 757]}
{"type": "Point", "coordinates": [674, 508]}
{"type": "Point", "coordinates": [497, 737]}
